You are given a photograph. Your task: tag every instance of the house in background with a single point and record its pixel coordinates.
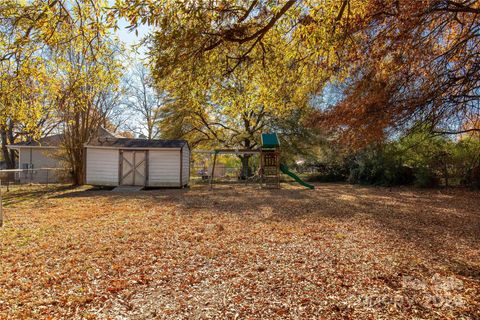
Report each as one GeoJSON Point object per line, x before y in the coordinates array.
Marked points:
{"type": "Point", "coordinates": [42, 159]}
{"type": "Point", "coordinates": [36, 156]}
{"type": "Point", "coordinates": [137, 162]}
{"type": "Point", "coordinates": [3, 164]}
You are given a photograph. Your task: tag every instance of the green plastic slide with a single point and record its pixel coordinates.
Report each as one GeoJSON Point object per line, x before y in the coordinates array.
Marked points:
{"type": "Point", "coordinates": [285, 170]}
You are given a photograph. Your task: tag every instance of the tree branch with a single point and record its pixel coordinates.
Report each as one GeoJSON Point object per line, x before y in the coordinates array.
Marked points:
{"type": "Point", "coordinates": [457, 132]}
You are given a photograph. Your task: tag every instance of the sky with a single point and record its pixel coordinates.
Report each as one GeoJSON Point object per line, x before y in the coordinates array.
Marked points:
{"type": "Point", "coordinates": [130, 38]}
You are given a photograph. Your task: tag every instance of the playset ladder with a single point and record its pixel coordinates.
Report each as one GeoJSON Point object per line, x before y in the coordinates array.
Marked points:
{"type": "Point", "coordinates": [270, 164]}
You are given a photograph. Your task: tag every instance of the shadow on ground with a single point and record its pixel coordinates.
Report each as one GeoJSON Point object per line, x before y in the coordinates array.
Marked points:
{"type": "Point", "coordinates": [436, 222]}
{"type": "Point", "coordinates": [18, 195]}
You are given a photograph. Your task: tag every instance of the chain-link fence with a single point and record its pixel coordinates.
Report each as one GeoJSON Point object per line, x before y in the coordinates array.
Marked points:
{"type": "Point", "coordinates": [222, 174]}
{"type": "Point", "coordinates": [34, 176]}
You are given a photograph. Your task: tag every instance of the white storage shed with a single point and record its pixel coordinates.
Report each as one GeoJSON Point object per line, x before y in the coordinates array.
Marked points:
{"type": "Point", "coordinates": [137, 162]}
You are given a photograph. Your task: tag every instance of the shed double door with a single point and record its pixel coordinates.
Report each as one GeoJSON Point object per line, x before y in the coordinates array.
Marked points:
{"type": "Point", "coordinates": [133, 167]}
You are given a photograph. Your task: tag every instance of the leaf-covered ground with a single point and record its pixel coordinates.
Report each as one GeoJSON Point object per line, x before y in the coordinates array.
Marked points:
{"type": "Point", "coordinates": [238, 252]}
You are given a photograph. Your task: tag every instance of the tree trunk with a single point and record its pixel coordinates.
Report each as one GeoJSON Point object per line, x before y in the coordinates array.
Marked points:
{"type": "Point", "coordinates": [246, 169]}
{"type": "Point", "coordinates": [445, 170]}
{"type": "Point", "coordinates": [82, 128]}
{"type": "Point", "coordinates": [79, 167]}
{"type": "Point", "coordinates": [8, 138]}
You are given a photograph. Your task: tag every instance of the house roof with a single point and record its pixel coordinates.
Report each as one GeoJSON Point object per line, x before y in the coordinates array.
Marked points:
{"type": "Point", "coordinates": [102, 132]}
{"type": "Point", "coordinates": [135, 143]}
{"type": "Point", "coordinates": [50, 141]}
{"type": "Point", "coordinates": [56, 140]}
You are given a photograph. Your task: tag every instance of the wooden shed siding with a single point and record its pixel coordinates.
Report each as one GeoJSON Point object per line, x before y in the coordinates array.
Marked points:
{"type": "Point", "coordinates": [164, 168]}
{"type": "Point", "coordinates": [102, 167]}
{"type": "Point", "coordinates": [185, 165]}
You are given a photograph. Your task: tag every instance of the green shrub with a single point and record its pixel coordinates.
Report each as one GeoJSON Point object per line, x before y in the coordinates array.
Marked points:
{"type": "Point", "coordinates": [420, 158]}
{"type": "Point", "coordinates": [379, 165]}
{"type": "Point", "coordinates": [333, 172]}
{"type": "Point", "coordinates": [425, 178]}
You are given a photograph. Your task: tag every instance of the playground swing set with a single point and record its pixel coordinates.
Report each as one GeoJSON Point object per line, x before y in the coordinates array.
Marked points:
{"type": "Point", "coordinates": [270, 166]}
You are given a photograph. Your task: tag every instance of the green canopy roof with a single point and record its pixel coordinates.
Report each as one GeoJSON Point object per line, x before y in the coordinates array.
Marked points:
{"type": "Point", "coordinates": [270, 140]}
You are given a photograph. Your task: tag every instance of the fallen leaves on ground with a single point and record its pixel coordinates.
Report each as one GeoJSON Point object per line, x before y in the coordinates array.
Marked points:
{"type": "Point", "coordinates": [339, 251]}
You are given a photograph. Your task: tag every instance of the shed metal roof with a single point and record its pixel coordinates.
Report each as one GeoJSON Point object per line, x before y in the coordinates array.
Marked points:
{"type": "Point", "coordinates": [135, 143]}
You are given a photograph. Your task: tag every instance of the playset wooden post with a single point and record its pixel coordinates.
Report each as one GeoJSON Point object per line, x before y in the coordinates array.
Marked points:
{"type": "Point", "coordinates": [270, 161]}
